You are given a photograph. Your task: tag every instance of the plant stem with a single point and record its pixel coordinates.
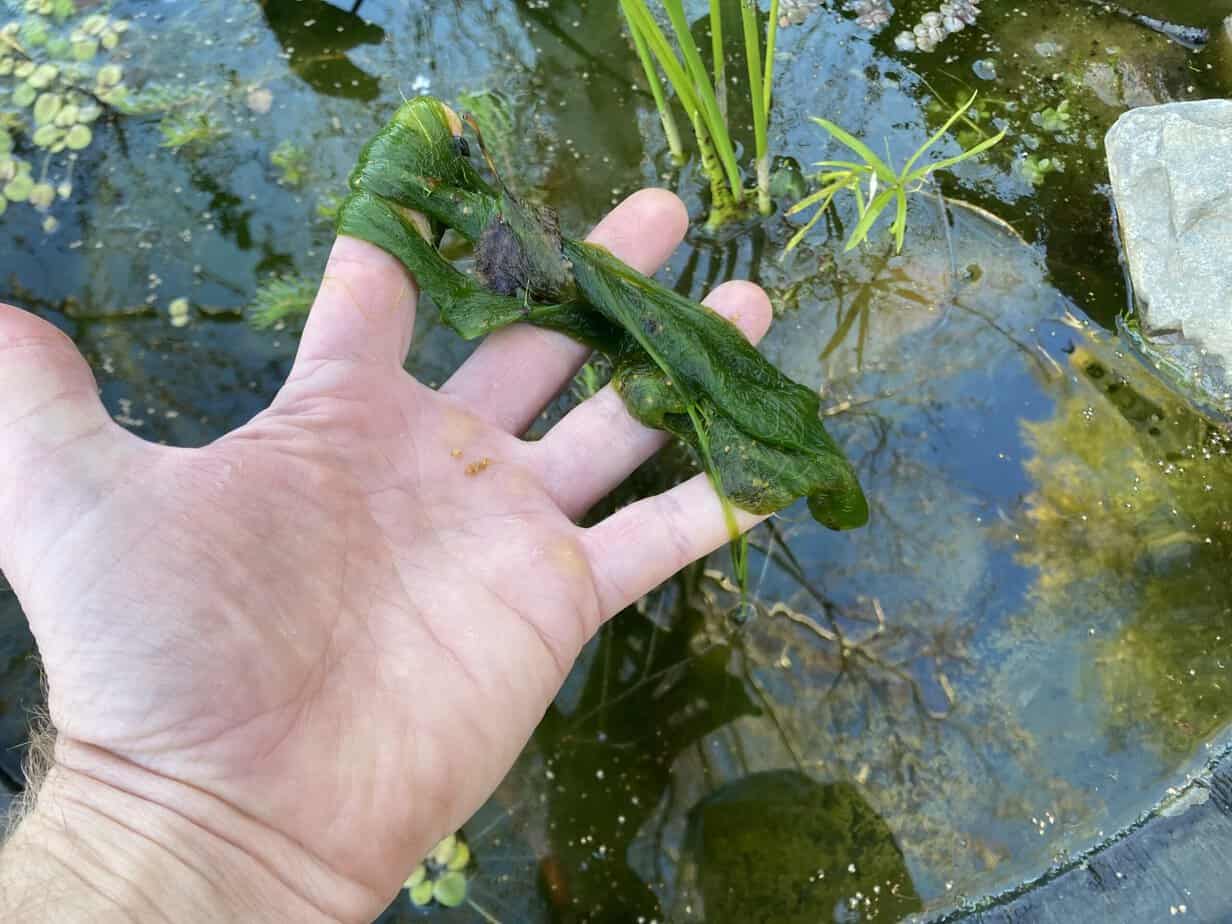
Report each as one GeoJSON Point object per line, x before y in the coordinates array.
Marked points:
{"type": "Point", "coordinates": [772, 37]}
{"type": "Point", "coordinates": [716, 51]}
{"type": "Point", "coordinates": [722, 205]}
{"type": "Point", "coordinates": [708, 102]}
{"type": "Point", "coordinates": [670, 129]}
{"type": "Point", "coordinates": [752, 48]}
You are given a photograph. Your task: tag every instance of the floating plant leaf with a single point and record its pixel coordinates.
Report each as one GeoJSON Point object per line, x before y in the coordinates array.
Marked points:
{"type": "Point", "coordinates": [678, 365]}
{"type": "Point", "coordinates": [109, 75]}
{"type": "Point", "coordinates": [6, 66]}
{"type": "Point", "coordinates": [450, 890]}
{"type": "Point", "coordinates": [89, 112]}
{"type": "Point", "coordinates": [18, 189]}
{"type": "Point", "coordinates": [23, 70]}
{"type": "Point", "coordinates": [47, 135]}
{"type": "Point", "coordinates": [78, 138]}
{"type": "Point", "coordinates": [421, 893]}
{"type": "Point", "coordinates": [43, 76]}
{"type": "Point", "coordinates": [85, 48]}
{"type": "Point", "coordinates": [67, 116]}
{"type": "Point", "coordinates": [4, 205]}
{"type": "Point", "coordinates": [42, 195]}
{"type": "Point", "coordinates": [24, 95]}
{"type": "Point", "coordinates": [47, 107]}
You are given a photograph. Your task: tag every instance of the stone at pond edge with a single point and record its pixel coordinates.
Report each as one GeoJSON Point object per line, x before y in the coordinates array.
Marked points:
{"type": "Point", "coordinates": [1173, 192]}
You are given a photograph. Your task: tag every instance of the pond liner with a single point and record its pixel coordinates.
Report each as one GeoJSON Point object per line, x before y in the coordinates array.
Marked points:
{"type": "Point", "coordinates": [1174, 861]}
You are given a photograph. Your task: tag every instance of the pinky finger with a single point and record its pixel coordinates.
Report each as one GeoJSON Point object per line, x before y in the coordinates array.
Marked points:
{"type": "Point", "coordinates": [637, 548]}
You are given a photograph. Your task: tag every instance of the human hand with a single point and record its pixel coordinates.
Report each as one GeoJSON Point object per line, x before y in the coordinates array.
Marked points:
{"type": "Point", "coordinates": [306, 652]}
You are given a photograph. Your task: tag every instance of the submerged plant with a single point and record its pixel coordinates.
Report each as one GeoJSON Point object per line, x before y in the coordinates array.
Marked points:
{"type": "Point", "coordinates": [678, 366]}
{"type": "Point", "coordinates": [292, 162]}
{"type": "Point", "coordinates": [190, 129]}
{"type": "Point", "coordinates": [704, 99]}
{"type": "Point", "coordinates": [280, 299]}
{"type": "Point", "coordinates": [874, 185]}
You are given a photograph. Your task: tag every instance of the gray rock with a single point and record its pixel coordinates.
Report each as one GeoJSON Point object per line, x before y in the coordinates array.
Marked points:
{"type": "Point", "coordinates": [1173, 192]}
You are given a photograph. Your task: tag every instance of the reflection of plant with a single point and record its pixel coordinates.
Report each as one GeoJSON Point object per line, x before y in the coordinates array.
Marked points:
{"type": "Point", "coordinates": [292, 163]}
{"type": "Point", "coordinates": [871, 171]}
{"type": "Point", "coordinates": [441, 877]}
{"type": "Point", "coordinates": [704, 100]}
{"type": "Point", "coordinates": [1128, 512]}
{"type": "Point", "coordinates": [54, 84]}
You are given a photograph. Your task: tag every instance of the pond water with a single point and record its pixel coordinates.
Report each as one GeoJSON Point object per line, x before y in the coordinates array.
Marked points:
{"type": "Point", "coordinates": [1023, 650]}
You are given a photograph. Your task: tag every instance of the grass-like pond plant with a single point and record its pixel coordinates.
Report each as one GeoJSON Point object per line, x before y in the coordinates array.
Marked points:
{"type": "Point", "coordinates": [875, 185]}
{"type": "Point", "coordinates": [702, 93]}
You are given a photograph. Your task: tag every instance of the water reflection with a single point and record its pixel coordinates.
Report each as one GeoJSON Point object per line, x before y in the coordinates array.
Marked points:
{"type": "Point", "coordinates": [781, 848]}
{"type": "Point", "coordinates": [316, 35]}
{"type": "Point", "coordinates": [1129, 513]}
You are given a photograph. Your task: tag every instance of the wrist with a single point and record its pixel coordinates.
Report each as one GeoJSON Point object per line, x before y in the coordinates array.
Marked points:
{"type": "Point", "coordinates": [107, 841]}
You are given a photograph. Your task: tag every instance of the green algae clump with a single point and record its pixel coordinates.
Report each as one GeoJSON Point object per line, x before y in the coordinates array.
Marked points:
{"type": "Point", "coordinates": [679, 366]}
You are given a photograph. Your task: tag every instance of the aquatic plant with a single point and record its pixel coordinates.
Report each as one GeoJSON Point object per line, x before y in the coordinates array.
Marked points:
{"type": "Point", "coordinates": [678, 366]}
{"type": "Point", "coordinates": [193, 128]}
{"type": "Point", "coordinates": [874, 185]}
{"type": "Point", "coordinates": [1036, 169]}
{"type": "Point", "coordinates": [441, 877]}
{"type": "Point", "coordinates": [56, 80]}
{"type": "Point", "coordinates": [703, 99]}
{"type": "Point", "coordinates": [292, 162]}
{"type": "Point", "coordinates": [280, 299]}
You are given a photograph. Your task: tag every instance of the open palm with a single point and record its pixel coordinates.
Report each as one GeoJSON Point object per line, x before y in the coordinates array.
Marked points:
{"type": "Point", "coordinates": [342, 621]}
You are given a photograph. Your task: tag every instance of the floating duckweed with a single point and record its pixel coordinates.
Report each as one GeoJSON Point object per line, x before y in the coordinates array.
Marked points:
{"type": "Point", "coordinates": [4, 205]}
{"type": "Point", "coordinates": [58, 47]}
{"type": "Point", "coordinates": [23, 70]}
{"type": "Point", "coordinates": [89, 112]}
{"type": "Point", "coordinates": [6, 66]}
{"type": "Point", "coordinates": [18, 189]}
{"type": "Point", "coordinates": [78, 138]}
{"type": "Point", "coordinates": [47, 107]}
{"type": "Point", "coordinates": [34, 33]}
{"type": "Point", "coordinates": [6, 144]}
{"type": "Point", "coordinates": [450, 890]}
{"type": "Point", "coordinates": [66, 116]}
{"type": "Point", "coordinates": [461, 858]}
{"type": "Point", "coordinates": [8, 169]}
{"type": "Point", "coordinates": [93, 25]}
{"type": "Point", "coordinates": [120, 26]}
{"type": "Point", "coordinates": [110, 75]}
{"type": "Point", "coordinates": [47, 135]}
{"type": "Point", "coordinates": [421, 893]}
{"type": "Point", "coordinates": [43, 76]}
{"type": "Point", "coordinates": [50, 225]}
{"type": "Point", "coordinates": [110, 39]}
{"type": "Point", "coordinates": [442, 853]}
{"type": "Point", "coordinates": [42, 195]}
{"type": "Point", "coordinates": [440, 877]}
{"type": "Point", "coordinates": [64, 190]}
{"type": "Point", "coordinates": [84, 48]}
{"type": "Point", "coordinates": [24, 95]}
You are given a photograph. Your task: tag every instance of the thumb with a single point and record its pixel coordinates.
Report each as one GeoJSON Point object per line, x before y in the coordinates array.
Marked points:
{"type": "Point", "coordinates": [55, 435]}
